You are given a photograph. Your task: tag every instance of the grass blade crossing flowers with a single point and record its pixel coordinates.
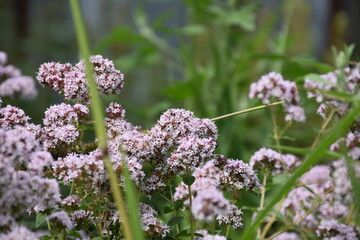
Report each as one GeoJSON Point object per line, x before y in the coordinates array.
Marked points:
{"type": "Point", "coordinates": [97, 111]}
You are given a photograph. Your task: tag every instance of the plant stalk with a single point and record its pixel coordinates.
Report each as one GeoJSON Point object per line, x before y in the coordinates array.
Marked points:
{"type": "Point", "coordinates": [247, 110]}
{"type": "Point", "coordinates": [97, 113]}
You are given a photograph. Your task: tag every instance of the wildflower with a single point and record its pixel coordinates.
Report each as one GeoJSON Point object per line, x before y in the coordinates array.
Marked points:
{"type": "Point", "coordinates": [19, 232]}
{"type": "Point", "coordinates": [207, 236]}
{"type": "Point", "coordinates": [77, 167]}
{"type": "Point", "coordinates": [206, 176]}
{"type": "Point", "coordinates": [237, 174]}
{"type": "Point", "coordinates": [332, 229]}
{"type": "Point", "coordinates": [294, 113]}
{"type": "Point", "coordinates": [21, 85]}
{"type": "Point", "coordinates": [16, 145]}
{"type": "Point", "coordinates": [39, 160]}
{"type": "Point", "coordinates": [287, 236]}
{"type": "Point", "coordinates": [12, 116]}
{"type": "Point", "coordinates": [208, 204]}
{"type": "Point", "coordinates": [26, 192]}
{"type": "Point", "coordinates": [52, 74]}
{"type": "Point", "coordinates": [3, 58]}
{"type": "Point", "coordinates": [6, 222]}
{"type": "Point", "coordinates": [231, 217]}
{"type": "Point", "coordinates": [329, 83]}
{"type": "Point", "coordinates": [115, 110]}
{"type": "Point", "coordinates": [71, 201]}
{"type": "Point", "coordinates": [71, 81]}
{"type": "Point", "coordinates": [61, 219]}
{"type": "Point", "coordinates": [190, 153]}
{"type": "Point", "coordinates": [78, 216]}
{"type": "Point", "coordinates": [272, 161]}
{"type": "Point", "coordinates": [150, 224]}
{"type": "Point", "coordinates": [273, 85]}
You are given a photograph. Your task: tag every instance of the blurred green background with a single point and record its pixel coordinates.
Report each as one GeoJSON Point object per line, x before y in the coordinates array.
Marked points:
{"type": "Point", "coordinates": [201, 55]}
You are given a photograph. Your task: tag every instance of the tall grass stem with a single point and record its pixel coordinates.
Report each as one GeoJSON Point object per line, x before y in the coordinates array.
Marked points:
{"type": "Point", "coordinates": [97, 113]}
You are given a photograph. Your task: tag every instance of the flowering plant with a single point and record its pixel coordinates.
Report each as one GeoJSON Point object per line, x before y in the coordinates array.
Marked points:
{"type": "Point", "coordinates": [176, 185]}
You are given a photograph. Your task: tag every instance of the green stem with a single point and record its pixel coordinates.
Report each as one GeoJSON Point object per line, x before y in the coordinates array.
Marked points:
{"type": "Point", "coordinates": [247, 110]}
{"type": "Point", "coordinates": [97, 113]}
{"type": "Point", "coordinates": [323, 127]}
{"type": "Point", "coordinates": [172, 202]}
{"type": "Point", "coordinates": [227, 230]}
{"type": "Point", "coordinates": [275, 128]}
{"type": "Point", "coordinates": [72, 188]}
{"type": "Point", "coordinates": [262, 199]}
{"type": "Point", "coordinates": [191, 217]}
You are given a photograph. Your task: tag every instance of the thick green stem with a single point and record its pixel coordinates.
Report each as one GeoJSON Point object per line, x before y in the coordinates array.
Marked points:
{"type": "Point", "coordinates": [97, 113]}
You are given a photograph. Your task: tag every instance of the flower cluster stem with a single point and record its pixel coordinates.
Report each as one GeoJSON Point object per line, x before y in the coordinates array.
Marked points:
{"type": "Point", "coordinates": [191, 217]}
{"type": "Point", "coordinates": [323, 127]}
{"type": "Point", "coordinates": [262, 199]}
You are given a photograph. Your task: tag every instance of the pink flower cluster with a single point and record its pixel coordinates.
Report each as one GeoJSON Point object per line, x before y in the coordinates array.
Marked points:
{"type": "Point", "coordinates": [71, 81]}
{"type": "Point", "coordinates": [320, 202]}
{"type": "Point", "coordinates": [331, 82]}
{"type": "Point", "coordinates": [214, 176]}
{"type": "Point", "coordinates": [207, 236]}
{"type": "Point", "coordinates": [332, 229]}
{"type": "Point", "coordinates": [150, 223]}
{"type": "Point", "coordinates": [269, 160]}
{"type": "Point", "coordinates": [273, 86]}
{"type": "Point", "coordinates": [178, 143]}
{"type": "Point", "coordinates": [61, 125]}
{"type": "Point", "coordinates": [13, 83]}
{"type": "Point", "coordinates": [78, 167]}
{"type": "Point", "coordinates": [23, 186]}
{"type": "Point", "coordinates": [352, 144]}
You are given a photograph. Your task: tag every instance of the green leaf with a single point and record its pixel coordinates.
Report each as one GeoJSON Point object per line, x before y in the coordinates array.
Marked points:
{"type": "Point", "coordinates": [179, 204]}
{"type": "Point", "coordinates": [309, 189]}
{"type": "Point", "coordinates": [278, 214]}
{"type": "Point", "coordinates": [167, 209]}
{"type": "Point", "coordinates": [342, 96]}
{"type": "Point", "coordinates": [175, 220]}
{"type": "Point", "coordinates": [183, 233]}
{"type": "Point", "coordinates": [244, 18]}
{"type": "Point", "coordinates": [253, 209]}
{"type": "Point", "coordinates": [280, 178]}
{"type": "Point", "coordinates": [74, 234]}
{"type": "Point", "coordinates": [40, 219]}
{"type": "Point", "coordinates": [322, 67]}
{"type": "Point", "coordinates": [98, 238]}
{"type": "Point", "coordinates": [193, 29]}
{"type": "Point", "coordinates": [188, 180]}
{"type": "Point", "coordinates": [105, 209]}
